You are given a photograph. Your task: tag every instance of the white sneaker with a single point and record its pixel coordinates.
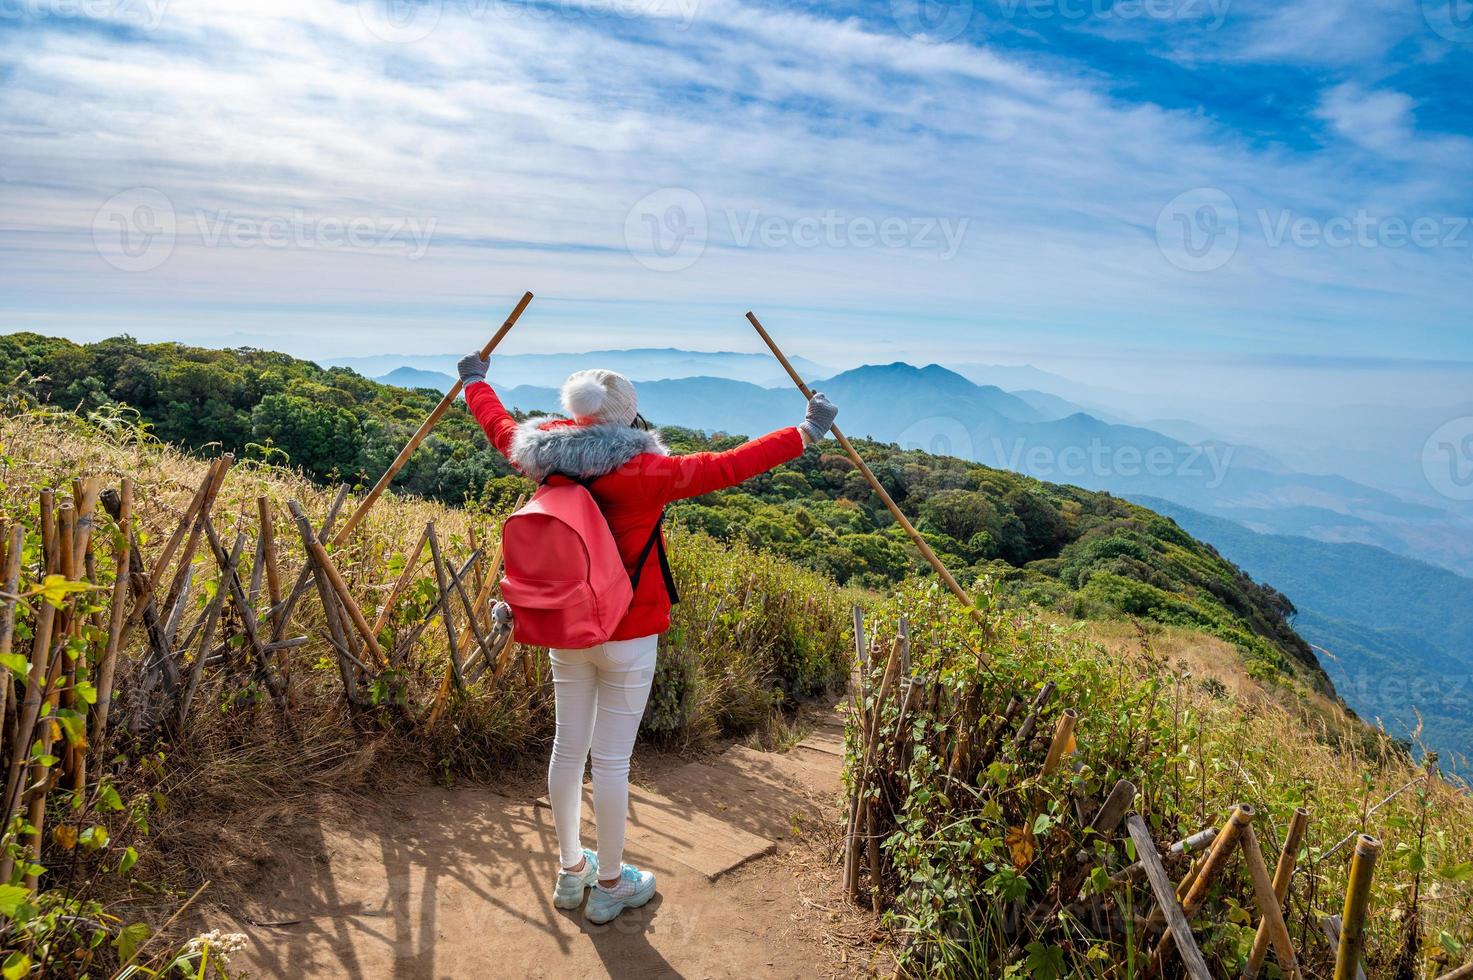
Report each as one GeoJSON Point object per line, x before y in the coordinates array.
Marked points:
{"type": "Point", "coordinates": [634, 888]}
{"type": "Point", "coordinates": [570, 884]}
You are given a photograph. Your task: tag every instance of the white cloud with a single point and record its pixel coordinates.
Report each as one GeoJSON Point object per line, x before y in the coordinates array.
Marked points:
{"type": "Point", "coordinates": [526, 138]}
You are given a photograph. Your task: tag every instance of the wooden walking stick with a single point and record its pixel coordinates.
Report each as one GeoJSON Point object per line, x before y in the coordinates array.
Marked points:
{"type": "Point", "coordinates": [424, 430]}
{"type": "Point", "coordinates": [900, 518]}
{"type": "Point", "coordinates": [1283, 875]}
{"type": "Point", "coordinates": [1357, 900]}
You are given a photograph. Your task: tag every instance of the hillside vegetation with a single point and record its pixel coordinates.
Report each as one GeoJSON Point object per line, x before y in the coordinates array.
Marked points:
{"type": "Point", "coordinates": [168, 807]}
{"type": "Point", "coordinates": [990, 864]}
{"type": "Point", "coordinates": [1082, 554]}
{"type": "Point", "coordinates": [754, 632]}
{"type": "Point", "coordinates": [1396, 635]}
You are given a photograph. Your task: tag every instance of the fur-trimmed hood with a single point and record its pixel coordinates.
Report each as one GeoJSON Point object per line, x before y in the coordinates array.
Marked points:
{"type": "Point", "coordinates": [540, 448]}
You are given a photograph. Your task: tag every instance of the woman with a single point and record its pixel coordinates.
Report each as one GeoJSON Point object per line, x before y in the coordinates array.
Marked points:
{"type": "Point", "coordinates": [601, 691]}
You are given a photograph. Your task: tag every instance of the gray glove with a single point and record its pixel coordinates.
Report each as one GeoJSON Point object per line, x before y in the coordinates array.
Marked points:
{"type": "Point", "coordinates": [472, 367]}
{"type": "Point", "coordinates": [819, 418]}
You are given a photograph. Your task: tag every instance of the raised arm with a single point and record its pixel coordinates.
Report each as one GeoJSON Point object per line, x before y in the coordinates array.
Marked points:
{"type": "Point", "coordinates": [680, 477]}
{"type": "Point", "coordinates": [485, 406]}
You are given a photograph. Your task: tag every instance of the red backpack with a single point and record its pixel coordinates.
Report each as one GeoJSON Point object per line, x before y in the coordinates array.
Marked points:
{"type": "Point", "coordinates": [564, 580]}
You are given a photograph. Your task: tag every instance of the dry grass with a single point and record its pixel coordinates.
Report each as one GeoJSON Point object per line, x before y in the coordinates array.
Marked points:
{"type": "Point", "coordinates": [748, 631]}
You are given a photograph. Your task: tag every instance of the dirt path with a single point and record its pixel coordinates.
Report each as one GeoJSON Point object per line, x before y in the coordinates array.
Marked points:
{"type": "Point", "coordinates": [457, 883]}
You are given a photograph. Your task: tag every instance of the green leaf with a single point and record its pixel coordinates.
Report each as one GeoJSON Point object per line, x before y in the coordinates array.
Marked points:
{"type": "Point", "coordinates": [1457, 872]}
{"type": "Point", "coordinates": [108, 797]}
{"type": "Point", "coordinates": [1044, 962]}
{"type": "Point", "coordinates": [85, 692]}
{"type": "Point", "coordinates": [55, 589]}
{"type": "Point", "coordinates": [16, 664]}
{"type": "Point", "coordinates": [130, 858]}
{"type": "Point", "coordinates": [11, 899]}
{"type": "Point", "coordinates": [94, 838]}
{"type": "Point", "coordinates": [129, 938]}
{"type": "Point", "coordinates": [74, 724]}
{"type": "Point", "coordinates": [16, 965]}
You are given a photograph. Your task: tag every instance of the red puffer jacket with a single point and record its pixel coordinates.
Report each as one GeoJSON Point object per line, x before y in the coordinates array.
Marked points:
{"type": "Point", "coordinates": [635, 477]}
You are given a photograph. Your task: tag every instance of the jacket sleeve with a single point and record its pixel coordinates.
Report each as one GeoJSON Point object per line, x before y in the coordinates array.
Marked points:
{"type": "Point", "coordinates": [698, 473]}
{"type": "Point", "coordinates": [493, 416]}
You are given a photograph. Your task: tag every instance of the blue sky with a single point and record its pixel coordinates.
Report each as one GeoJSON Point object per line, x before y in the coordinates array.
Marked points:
{"type": "Point", "coordinates": [1096, 187]}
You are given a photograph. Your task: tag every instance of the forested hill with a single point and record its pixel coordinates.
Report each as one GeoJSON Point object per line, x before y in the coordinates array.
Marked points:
{"type": "Point", "coordinates": [1080, 553]}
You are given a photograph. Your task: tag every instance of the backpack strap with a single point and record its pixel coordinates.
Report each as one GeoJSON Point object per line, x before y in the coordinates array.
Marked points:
{"type": "Point", "coordinates": [656, 543]}
{"type": "Point", "coordinates": [586, 482]}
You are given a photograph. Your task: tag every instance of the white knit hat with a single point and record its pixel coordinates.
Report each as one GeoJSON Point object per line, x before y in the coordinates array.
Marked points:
{"type": "Point", "coordinates": [596, 395]}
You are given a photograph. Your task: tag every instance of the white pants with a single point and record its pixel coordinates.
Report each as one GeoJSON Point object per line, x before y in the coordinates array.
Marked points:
{"type": "Point", "coordinates": [601, 693]}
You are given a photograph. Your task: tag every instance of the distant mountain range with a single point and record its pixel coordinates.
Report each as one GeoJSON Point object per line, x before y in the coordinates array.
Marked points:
{"type": "Point", "coordinates": [637, 364]}
{"type": "Point", "coordinates": [408, 377]}
{"type": "Point", "coordinates": [1039, 433]}
{"type": "Point", "coordinates": [1359, 563]}
{"type": "Point", "coordinates": [1394, 634]}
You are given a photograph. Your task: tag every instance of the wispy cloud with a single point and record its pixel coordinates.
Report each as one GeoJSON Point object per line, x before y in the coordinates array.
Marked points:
{"type": "Point", "coordinates": [515, 138]}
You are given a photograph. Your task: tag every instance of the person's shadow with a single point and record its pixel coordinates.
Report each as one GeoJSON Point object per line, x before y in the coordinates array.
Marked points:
{"type": "Point", "coordinates": [623, 944]}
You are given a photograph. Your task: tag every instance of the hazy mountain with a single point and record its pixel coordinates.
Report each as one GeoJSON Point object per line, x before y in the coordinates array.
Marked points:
{"type": "Point", "coordinates": [938, 410]}
{"type": "Point", "coordinates": [638, 364]}
{"type": "Point", "coordinates": [1396, 633]}
{"type": "Point", "coordinates": [408, 377]}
